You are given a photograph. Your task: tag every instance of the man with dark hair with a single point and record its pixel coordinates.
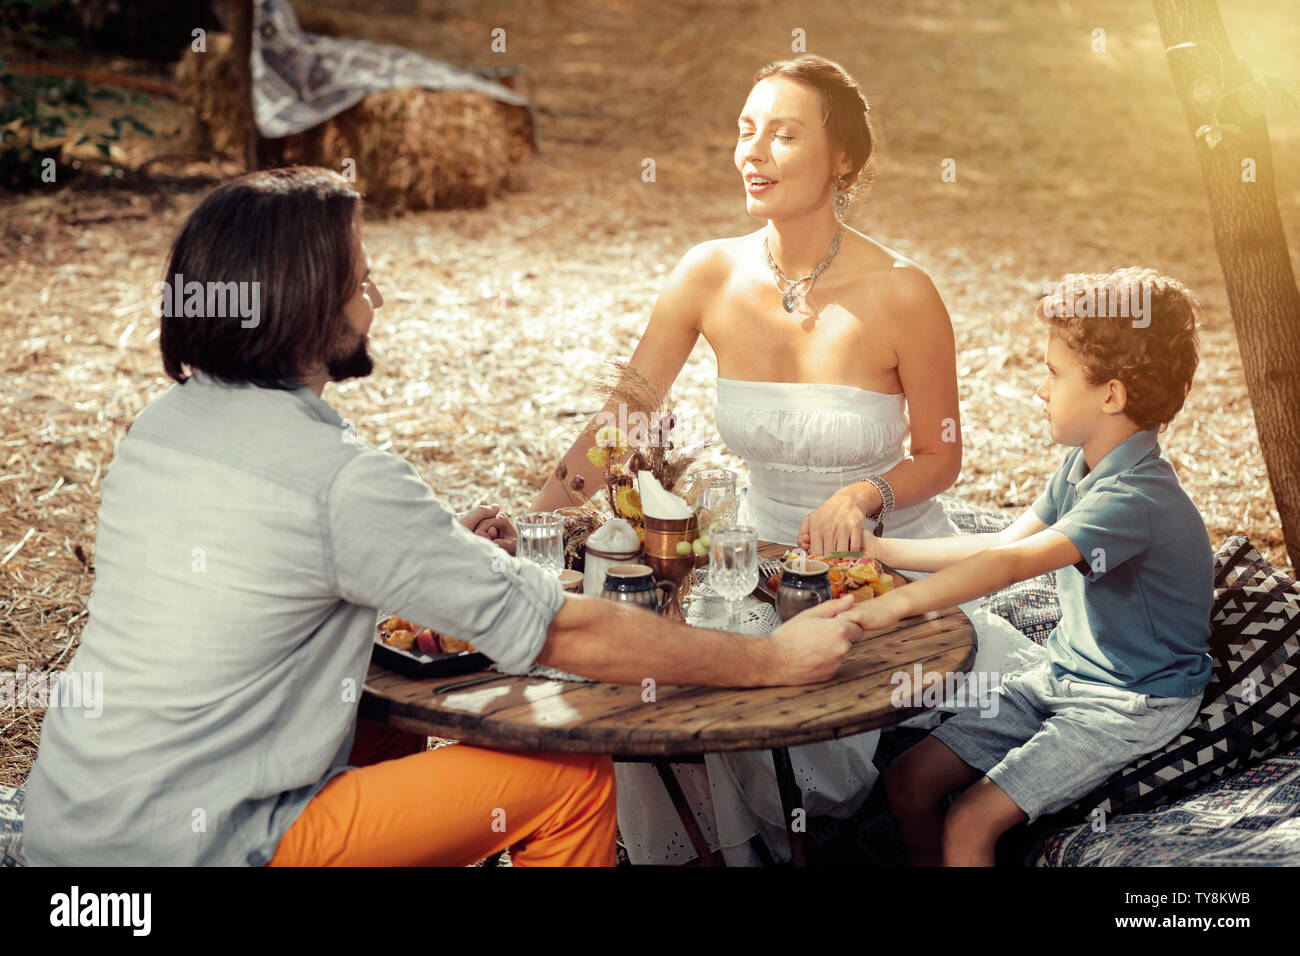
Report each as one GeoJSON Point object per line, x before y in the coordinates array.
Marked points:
{"type": "Point", "coordinates": [246, 541]}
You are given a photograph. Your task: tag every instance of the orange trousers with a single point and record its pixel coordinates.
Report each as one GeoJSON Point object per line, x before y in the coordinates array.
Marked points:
{"type": "Point", "coordinates": [406, 805]}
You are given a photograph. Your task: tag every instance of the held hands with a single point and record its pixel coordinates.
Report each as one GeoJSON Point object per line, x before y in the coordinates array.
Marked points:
{"type": "Point", "coordinates": [809, 647]}
{"type": "Point", "coordinates": [837, 524]}
{"type": "Point", "coordinates": [877, 613]}
{"type": "Point", "coordinates": [488, 521]}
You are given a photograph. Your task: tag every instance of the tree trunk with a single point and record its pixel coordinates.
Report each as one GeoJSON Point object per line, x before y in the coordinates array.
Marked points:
{"type": "Point", "coordinates": [1248, 237]}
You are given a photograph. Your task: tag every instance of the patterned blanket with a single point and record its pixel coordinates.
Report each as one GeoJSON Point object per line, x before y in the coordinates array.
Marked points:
{"type": "Point", "coordinates": [1250, 819]}
{"type": "Point", "coordinates": [301, 79]}
{"type": "Point", "coordinates": [11, 826]}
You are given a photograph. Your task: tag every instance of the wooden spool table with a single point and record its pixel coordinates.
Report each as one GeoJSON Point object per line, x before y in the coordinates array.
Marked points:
{"type": "Point", "coordinates": [489, 709]}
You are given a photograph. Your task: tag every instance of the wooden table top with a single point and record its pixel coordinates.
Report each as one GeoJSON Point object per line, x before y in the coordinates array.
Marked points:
{"type": "Point", "coordinates": [571, 717]}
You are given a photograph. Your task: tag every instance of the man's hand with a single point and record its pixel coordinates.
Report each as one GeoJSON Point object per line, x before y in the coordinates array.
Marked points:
{"type": "Point", "coordinates": [876, 613]}
{"type": "Point", "coordinates": [487, 521]}
{"type": "Point", "coordinates": [835, 526]}
{"type": "Point", "coordinates": [809, 647]}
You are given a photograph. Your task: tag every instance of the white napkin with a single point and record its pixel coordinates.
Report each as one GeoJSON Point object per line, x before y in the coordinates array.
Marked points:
{"type": "Point", "coordinates": [615, 536]}
{"type": "Point", "coordinates": [657, 503]}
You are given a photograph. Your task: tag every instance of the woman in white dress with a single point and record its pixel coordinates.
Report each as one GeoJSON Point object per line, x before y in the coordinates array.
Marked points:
{"type": "Point", "coordinates": [831, 350]}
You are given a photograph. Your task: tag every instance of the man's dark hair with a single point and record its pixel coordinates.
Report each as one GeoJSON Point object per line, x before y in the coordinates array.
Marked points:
{"type": "Point", "coordinates": [292, 231]}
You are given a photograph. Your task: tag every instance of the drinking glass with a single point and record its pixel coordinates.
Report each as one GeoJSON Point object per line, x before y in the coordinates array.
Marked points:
{"type": "Point", "coordinates": [719, 493]}
{"type": "Point", "coordinates": [733, 566]}
{"type": "Point", "coordinates": [541, 540]}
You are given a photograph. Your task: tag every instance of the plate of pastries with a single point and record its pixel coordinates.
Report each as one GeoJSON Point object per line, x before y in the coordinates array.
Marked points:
{"type": "Point", "coordinates": [421, 651]}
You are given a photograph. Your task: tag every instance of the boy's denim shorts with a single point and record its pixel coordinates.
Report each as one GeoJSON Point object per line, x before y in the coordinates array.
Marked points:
{"type": "Point", "coordinates": [1052, 741]}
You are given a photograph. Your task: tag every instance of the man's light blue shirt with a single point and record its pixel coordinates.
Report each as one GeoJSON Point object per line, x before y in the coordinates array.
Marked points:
{"type": "Point", "coordinates": [246, 540]}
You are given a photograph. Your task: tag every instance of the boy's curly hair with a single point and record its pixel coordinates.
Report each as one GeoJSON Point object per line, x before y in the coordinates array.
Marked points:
{"type": "Point", "coordinates": [1155, 357]}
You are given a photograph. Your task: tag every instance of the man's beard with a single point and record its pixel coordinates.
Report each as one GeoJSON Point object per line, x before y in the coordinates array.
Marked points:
{"type": "Point", "coordinates": [354, 364]}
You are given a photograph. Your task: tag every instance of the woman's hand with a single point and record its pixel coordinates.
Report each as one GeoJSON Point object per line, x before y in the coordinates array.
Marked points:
{"type": "Point", "coordinates": [487, 521]}
{"type": "Point", "coordinates": [837, 524]}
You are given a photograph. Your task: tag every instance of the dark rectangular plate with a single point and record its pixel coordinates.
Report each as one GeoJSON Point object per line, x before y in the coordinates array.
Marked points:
{"type": "Point", "coordinates": [415, 664]}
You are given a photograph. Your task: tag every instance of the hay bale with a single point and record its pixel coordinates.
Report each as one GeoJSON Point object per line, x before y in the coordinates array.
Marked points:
{"type": "Point", "coordinates": [412, 148]}
{"type": "Point", "coordinates": [210, 87]}
{"type": "Point", "coordinates": [419, 149]}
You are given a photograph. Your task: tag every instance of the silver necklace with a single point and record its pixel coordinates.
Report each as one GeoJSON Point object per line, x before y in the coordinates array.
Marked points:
{"type": "Point", "coordinates": [796, 292]}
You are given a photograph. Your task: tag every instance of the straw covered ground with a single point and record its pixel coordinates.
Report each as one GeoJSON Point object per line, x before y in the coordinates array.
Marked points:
{"type": "Point", "coordinates": [497, 319]}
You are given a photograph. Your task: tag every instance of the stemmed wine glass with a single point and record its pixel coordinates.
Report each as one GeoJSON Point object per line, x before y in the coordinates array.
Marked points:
{"type": "Point", "coordinates": [718, 497]}
{"type": "Point", "coordinates": [733, 566]}
{"type": "Point", "coordinates": [541, 540]}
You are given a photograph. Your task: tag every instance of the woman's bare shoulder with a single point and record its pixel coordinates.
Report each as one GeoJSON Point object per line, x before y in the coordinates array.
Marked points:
{"type": "Point", "coordinates": [871, 255]}
{"type": "Point", "coordinates": [710, 266]}
{"type": "Point", "coordinates": [892, 273]}
{"type": "Point", "coordinates": [701, 276]}
{"type": "Point", "coordinates": [726, 252]}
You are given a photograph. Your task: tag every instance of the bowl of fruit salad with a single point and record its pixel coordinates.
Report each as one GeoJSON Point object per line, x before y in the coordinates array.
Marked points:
{"type": "Point", "coordinates": [850, 572]}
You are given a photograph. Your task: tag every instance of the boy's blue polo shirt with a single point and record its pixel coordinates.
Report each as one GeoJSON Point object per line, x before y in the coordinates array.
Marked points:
{"type": "Point", "coordinates": [1135, 611]}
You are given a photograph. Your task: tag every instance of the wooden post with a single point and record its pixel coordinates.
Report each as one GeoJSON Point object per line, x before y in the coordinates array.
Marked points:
{"type": "Point", "coordinates": [1248, 236]}
{"type": "Point", "coordinates": [239, 14]}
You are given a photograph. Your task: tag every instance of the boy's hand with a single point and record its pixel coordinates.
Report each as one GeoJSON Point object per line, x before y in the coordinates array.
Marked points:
{"type": "Point", "coordinates": [873, 547]}
{"type": "Point", "coordinates": [877, 613]}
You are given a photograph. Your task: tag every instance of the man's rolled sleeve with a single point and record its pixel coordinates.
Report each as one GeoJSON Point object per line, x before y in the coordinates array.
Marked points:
{"type": "Point", "coordinates": [396, 547]}
{"type": "Point", "coordinates": [1108, 525]}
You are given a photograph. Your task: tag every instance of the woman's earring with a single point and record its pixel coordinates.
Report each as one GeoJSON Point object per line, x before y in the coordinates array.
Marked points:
{"type": "Point", "coordinates": [839, 200]}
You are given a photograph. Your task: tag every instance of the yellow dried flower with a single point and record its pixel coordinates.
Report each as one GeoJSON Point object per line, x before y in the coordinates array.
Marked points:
{"type": "Point", "coordinates": [613, 438]}
{"type": "Point", "coordinates": [628, 502]}
{"type": "Point", "coordinates": [598, 456]}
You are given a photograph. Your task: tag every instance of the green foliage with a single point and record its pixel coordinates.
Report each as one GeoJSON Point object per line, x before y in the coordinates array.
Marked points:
{"type": "Point", "coordinates": [1247, 100]}
{"type": "Point", "coordinates": [20, 22]}
{"type": "Point", "coordinates": [39, 113]}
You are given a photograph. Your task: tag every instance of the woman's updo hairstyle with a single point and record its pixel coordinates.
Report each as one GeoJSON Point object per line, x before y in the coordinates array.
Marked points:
{"type": "Point", "coordinates": [845, 117]}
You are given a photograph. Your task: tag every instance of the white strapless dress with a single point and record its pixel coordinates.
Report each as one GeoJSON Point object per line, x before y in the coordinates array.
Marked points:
{"type": "Point", "coordinates": [802, 443]}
